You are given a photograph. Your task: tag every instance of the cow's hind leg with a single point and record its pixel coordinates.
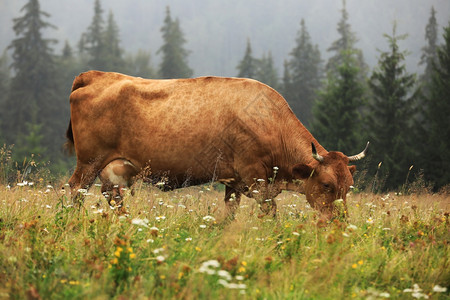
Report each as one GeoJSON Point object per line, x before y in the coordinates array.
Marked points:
{"type": "Point", "coordinates": [81, 180]}
{"type": "Point", "coordinates": [232, 200]}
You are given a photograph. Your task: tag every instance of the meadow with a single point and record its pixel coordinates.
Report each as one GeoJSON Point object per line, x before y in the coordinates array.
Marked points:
{"type": "Point", "coordinates": [180, 245]}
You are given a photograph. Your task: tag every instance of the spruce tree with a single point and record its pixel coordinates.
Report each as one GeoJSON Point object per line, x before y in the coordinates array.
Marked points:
{"type": "Point", "coordinates": [266, 71]}
{"type": "Point", "coordinates": [113, 51]}
{"type": "Point", "coordinates": [247, 66]}
{"type": "Point", "coordinates": [429, 53]}
{"type": "Point", "coordinates": [33, 99]}
{"type": "Point", "coordinates": [336, 119]}
{"type": "Point", "coordinates": [438, 116]}
{"type": "Point", "coordinates": [174, 56]}
{"type": "Point", "coordinates": [4, 85]}
{"type": "Point", "coordinates": [341, 47]}
{"type": "Point", "coordinates": [304, 69]}
{"type": "Point", "coordinates": [391, 114]}
{"type": "Point", "coordinates": [92, 42]}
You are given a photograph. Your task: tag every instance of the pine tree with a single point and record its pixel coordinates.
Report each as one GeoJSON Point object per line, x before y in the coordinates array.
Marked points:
{"type": "Point", "coordinates": [266, 71]}
{"type": "Point", "coordinates": [4, 84]}
{"type": "Point", "coordinates": [429, 53]}
{"type": "Point", "coordinates": [337, 121]}
{"type": "Point", "coordinates": [113, 51]}
{"type": "Point", "coordinates": [304, 69]}
{"type": "Point", "coordinates": [345, 43]}
{"type": "Point", "coordinates": [92, 42]}
{"type": "Point", "coordinates": [174, 61]}
{"type": "Point", "coordinates": [391, 116]}
{"type": "Point", "coordinates": [438, 114]}
{"type": "Point", "coordinates": [247, 66]}
{"type": "Point", "coordinates": [32, 100]}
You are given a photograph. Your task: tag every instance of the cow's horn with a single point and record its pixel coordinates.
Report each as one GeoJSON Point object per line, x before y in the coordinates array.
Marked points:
{"type": "Point", "coordinates": [315, 155]}
{"type": "Point", "coordinates": [360, 155]}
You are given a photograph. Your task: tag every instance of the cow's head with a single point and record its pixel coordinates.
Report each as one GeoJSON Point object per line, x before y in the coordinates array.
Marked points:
{"type": "Point", "coordinates": [327, 178]}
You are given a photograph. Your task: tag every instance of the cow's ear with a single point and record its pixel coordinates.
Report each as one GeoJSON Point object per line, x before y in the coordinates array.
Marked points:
{"type": "Point", "coordinates": [352, 169]}
{"type": "Point", "coordinates": [302, 171]}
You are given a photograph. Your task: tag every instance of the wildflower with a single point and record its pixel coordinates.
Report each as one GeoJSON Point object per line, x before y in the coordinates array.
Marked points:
{"type": "Point", "coordinates": [295, 233]}
{"type": "Point", "coordinates": [275, 168]}
{"type": "Point", "coordinates": [140, 222]}
{"type": "Point", "coordinates": [352, 227]}
{"type": "Point", "coordinates": [239, 277]}
{"type": "Point", "coordinates": [160, 218]}
{"type": "Point", "coordinates": [198, 249]}
{"type": "Point", "coordinates": [360, 262]}
{"type": "Point", "coordinates": [439, 289]}
{"type": "Point", "coordinates": [209, 267]}
{"type": "Point", "coordinates": [160, 258]}
{"type": "Point", "coordinates": [255, 191]}
{"type": "Point", "coordinates": [224, 274]}
{"type": "Point", "coordinates": [369, 221]}
{"type": "Point", "coordinates": [416, 292]}
{"type": "Point", "coordinates": [354, 266]}
{"type": "Point", "coordinates": [132, 256]}
{"type": "Point", "coordinates": [260, 180]}
{"type": "Point", "coordinates": [208, 218]}
{"type": "Point", "coordinates": [188, 239]}
{"type": "Point", "coordinates": [118, 251]}
{"type": "Point", "coordinates": [203, 226]}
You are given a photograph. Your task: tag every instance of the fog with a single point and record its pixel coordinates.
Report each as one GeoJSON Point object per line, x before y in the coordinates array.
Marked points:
{"type": "Point", "coordinates": [217, 31]}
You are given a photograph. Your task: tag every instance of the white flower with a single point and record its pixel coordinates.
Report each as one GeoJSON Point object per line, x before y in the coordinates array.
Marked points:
{"type": "Point", "coordinates": [160, 218]}
{"type": "Point", "coordinates": [439, 289]}
{"type": "Point", "coordinates": [386, 229]}
{"type": "Point", "coordinates": [209, 266]}
{"type": "Point", "coordinates": [276, 168]}
{"type": "Point", "coordinates": [384, 295]}
{"type": "Point", "coordinates": [352, 227]}
{"type": "Point", "coordinates": [160, 258]}
{"type": "Point", "coordinates": [158, 250]}
{"type": "Point", "coordinates": [188, 239]}
{"type": "Point", "coordinates": [140, 222]}
{"type": "Point", "coordinates": [203, 226]}
{"type": "Point", "coordinates": [295, 233]}
{"type": "Point", "coordinates": [255, 191]}
{"type": "Point", "coordinates": [260, 180]}
{"type": "Point", "coordinates": [418, 295]}
{"type": "Point", "coordinates": [224, 274]}
{"type": "Point", "coordinates": [239, 277]}
{"type": "Point", "coordinates": [345, 234]}
{"type": "Point", "coordinates": [369, 221]}
{"type": "Point", "coordinates": [208, 218]}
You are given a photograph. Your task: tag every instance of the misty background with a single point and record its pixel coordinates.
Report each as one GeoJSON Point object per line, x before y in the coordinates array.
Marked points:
{"type": "Point", "coordinates": [217, 31]}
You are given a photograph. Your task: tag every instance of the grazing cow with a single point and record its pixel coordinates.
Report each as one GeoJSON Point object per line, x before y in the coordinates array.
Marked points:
{"type": "Point", "coordinates": [236, 131]}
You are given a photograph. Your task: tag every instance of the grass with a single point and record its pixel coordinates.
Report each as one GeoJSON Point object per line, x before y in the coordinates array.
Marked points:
{"type": "Point", "coordinates": [179, 245]}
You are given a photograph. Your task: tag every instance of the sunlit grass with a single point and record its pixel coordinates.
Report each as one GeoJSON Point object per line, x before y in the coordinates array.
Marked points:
{"type": "Point", "coordinates": [180, 245]}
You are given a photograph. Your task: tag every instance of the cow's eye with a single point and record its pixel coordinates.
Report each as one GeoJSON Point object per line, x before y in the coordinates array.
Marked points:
{"type": "Point", "coordinates": [326, 186]}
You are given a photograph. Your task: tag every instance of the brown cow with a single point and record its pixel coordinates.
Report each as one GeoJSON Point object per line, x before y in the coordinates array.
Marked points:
{"type": "Point", "coordinates": [191, 131]}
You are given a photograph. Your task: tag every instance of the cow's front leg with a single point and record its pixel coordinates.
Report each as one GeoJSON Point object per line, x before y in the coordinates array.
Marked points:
{"type": "Point", "coordinates": [232, 201]}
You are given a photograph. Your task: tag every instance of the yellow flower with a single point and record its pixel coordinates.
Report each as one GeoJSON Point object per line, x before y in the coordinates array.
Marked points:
{"type": "Point", "coordinates": [244, 263]}
{"type": "Point", "coordinates": [115, 261]}
{"type": "Point", "coordinates": [198, 249]}
{"type": "Point", "coordinates": [162, 277]}
{"type": "Point", "coordinates": [360, 262]}
{"type": "Point", "coordinates": [132, 255]}
{"type": "Point", "coordinates": [63, 281]}
{"type": "Point", "coordinates": [180, 275]}
{"type": "Point", "coordinates": [118, 251]}
{"type": "Point", "coordinates": [354, 266]}
{"type": "Point", "coordinates": [241, 270]}
{"type": "Point", "coordinates": [74, 282]}
{"type": "Point", "coordinates": [130, 249]}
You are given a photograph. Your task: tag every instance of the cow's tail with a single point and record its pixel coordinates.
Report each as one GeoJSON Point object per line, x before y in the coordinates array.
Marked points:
{"type": "Point", "coordinates": [69, 145]}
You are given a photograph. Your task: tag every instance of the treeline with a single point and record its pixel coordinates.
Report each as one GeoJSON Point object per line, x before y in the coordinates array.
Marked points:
{"type": "Point", "coordinates": [406, 117]}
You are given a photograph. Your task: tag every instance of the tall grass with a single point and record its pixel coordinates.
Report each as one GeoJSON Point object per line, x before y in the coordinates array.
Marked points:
{"type": "Point", "coordinates": [180, 245]}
